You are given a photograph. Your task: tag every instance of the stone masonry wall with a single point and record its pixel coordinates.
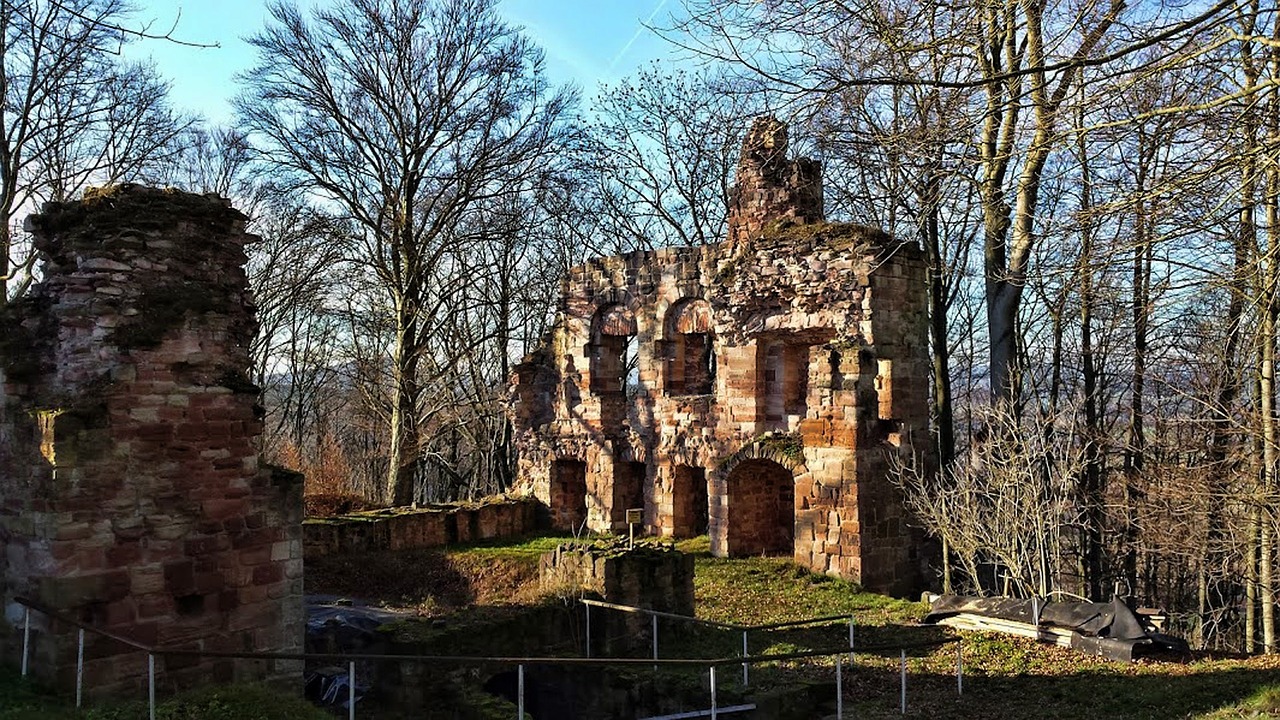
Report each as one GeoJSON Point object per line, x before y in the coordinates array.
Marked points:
{"type": "Point", "coordinates": [818, 374]}
{"type": "Point", "coordinates": [131, 492]}
{"type": "Point", "coordinates": [655, 577]}
{"type": "Point", "coordinates": [436, 526]}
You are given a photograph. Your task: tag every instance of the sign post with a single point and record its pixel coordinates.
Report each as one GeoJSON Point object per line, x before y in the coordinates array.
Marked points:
{"type": "Point", "coordinates": [635, 516]}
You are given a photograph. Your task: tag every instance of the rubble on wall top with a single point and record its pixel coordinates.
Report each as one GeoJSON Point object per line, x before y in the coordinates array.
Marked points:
{"type": "Point", "coordinates": [128, 205]}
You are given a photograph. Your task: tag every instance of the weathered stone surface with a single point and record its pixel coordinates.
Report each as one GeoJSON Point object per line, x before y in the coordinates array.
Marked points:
{"type": "Point", "coordinates": [131, 492]}
{"type": "Point", "coordinates": [654, 577]}
{"type": "Point", "coordinates": [753, 390]}
{"type": "Point", "coordinates": [434, 526]}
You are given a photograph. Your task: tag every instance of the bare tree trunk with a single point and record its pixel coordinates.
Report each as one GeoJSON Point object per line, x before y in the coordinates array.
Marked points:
{"type": "Point", "coordinates": [944, 411]}
{"type": "Point", "coordinates": [1251, 581]}
{"type": "Point", "coordinates": [1140, 296]}
{"type": "Point", "coordinates": [1090, 485]}
{"type": "Point", "coordinates": [404, 450]}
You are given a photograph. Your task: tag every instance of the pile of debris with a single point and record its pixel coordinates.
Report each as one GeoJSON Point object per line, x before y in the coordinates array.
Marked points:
{"type": "Point", "coordinates": [1112, 630]}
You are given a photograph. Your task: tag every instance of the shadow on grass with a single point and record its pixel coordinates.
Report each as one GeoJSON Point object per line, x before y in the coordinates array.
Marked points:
{"type": "Point", "coordinates": [874, 692]}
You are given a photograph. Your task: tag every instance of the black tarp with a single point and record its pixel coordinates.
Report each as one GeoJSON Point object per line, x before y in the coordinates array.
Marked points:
{"type": "Point", "coordinates": [1111, 629]}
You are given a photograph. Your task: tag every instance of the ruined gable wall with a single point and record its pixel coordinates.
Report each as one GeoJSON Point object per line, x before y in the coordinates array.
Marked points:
{"type": "Point", "coordinates": [821, 372]}
{"type": "Point", "coordinates": [823, 289]}
{"type": "Point", "coordinates": [131, 492]}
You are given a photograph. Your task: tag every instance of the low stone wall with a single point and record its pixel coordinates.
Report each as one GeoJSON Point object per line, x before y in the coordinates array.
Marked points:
{"type": "Point", "coordinates": [651, 576]}
{"type": "Point", "coordinates": [432, 526]}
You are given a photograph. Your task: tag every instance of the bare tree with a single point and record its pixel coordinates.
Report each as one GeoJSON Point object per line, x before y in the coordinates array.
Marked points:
{"type": "Point", "coordinates": [402, 115]}
{"type": "Point", "coordinates": [1002, 509]}
{"type": "Point", "coordinates": [70, 113]}
{"type": "Point", "coordinates": [663, 149]}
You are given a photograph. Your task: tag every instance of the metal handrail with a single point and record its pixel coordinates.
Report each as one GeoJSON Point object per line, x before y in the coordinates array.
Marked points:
{"type": "Point", "coordinates": [711, 623]}
{"type": "Point", "coordinates": [461, 659]}
{"type": "Point", "coordinates": [709, 663]}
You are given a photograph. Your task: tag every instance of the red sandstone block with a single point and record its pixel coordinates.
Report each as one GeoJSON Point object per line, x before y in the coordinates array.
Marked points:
{"type": "Point", "coordinates": [221, 510]}
{"type": "Point", "coordinates": [268, 573]}
{"type": "Point", "coordinates": [126, 553]}
{"type": "Point", "coordinates": [206, 544]}
{"type": "Point", "coordinates": [179, 576]}
{"type": "Point", "coordinates": [145, 579]}
{"type": "Point", "coordinates": [208, 582]}
{"type": "Point", "coordinates": [154, 606]}
{"type": "Point", "coordinates": [255, 555]}
{"type": "Point", "coordinates": [154, 432]}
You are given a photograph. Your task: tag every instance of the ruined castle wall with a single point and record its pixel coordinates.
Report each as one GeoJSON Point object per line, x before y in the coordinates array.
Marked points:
{"type": "Point", "coordinates": [131, 492]}
{"type": "Point", "coordinates": [764, 383]}
{"type": "Point", "coordinates": [804, 295]}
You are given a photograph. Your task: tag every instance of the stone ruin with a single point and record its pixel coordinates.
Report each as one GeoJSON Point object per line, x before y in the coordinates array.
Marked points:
{"type": "Point", "coordinates": [132, 496]}
{"type": "Point", "coordinates": [753, 390]}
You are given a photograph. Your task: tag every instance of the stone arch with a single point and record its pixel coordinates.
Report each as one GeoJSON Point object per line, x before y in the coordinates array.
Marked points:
{"type": "Point", "coordinates": [688, 332]}
{"type": "Point", "coordinates": [613, 328]}
{"type": "Point", "coordinates": [785, 450]}
{"type": "Point", "coordinates": [760, 504]}
{"type": "Point", "coordinates": [783, 456]}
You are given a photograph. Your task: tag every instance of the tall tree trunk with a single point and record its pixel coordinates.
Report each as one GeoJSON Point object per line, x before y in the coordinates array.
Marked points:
{"type": "Point", "coordinates": [1140, 296]}
{"type": "Point", "coordinates": [1251, 581]}
{"type": "Point", "coordinates": [1090, 487]}
{"type": "Point", "coordinates": [404, 451]}
{"type": "Point", "coordinates": [944, 411]}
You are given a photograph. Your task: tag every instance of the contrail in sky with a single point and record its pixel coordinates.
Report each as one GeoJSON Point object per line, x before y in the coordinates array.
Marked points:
{"type": "Point", "coordinates": [639, 31]}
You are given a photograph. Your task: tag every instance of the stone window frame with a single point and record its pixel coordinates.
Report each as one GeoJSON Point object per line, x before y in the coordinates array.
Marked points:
{"type": "Point", "coordinates": [606, 324]}
{"type": "Point", "coordinates": [674, 345]}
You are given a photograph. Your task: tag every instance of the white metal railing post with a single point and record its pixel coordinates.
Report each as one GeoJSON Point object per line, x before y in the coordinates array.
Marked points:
{"type": "Point", "coordinates": [959, 669]}
{"type": "Point", "coordinates": [839, 688]}
{"type": "Point", "coordinates": [351, 690]}
{"type": "Point", "coordinates": [80, 668]}
{"type": "Point", "coordinates": [655, 640]}
{"type": "Point", "coordinates": [850, 639]}
{"type": "Point", "coordinates": [904, 682]}
{"type": "Point", "coordinates": [746, 680]}
{"type": "Point", "coordinates": [26, 637]}
{"type": "Point", "coordinates": [588, 607]}
{"type": "Point", "coordinates": [520, 692]}
{"type": "Point", "coordinates": [151, 686]}
{"type": "Point", "coordinates": [714, 713]}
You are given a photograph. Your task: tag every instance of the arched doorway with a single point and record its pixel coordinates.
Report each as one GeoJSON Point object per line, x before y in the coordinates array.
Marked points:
{"type": "Point", "coordinates": [762, 508]}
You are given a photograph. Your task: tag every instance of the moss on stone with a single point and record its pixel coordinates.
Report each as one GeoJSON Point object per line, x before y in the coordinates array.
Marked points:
{"type": "Point", "coordinates": [132, 207]}
{"type": "Point", "coordinates": [837, 237]}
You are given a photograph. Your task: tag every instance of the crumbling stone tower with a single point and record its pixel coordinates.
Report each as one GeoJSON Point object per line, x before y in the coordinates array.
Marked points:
{"type": "Point", "coordinates": [131, 493]}
{"type": "Point", "coordinates": [754, 390]}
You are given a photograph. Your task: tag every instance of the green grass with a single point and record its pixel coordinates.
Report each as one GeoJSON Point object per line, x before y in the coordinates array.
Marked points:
{"type": "Point", "coordinates": [1263, 703]}
{"type": "Point", "coordinates": [1005, 676]}
{"type": "Point", "coordinates": [532, 547]}
{"type": "Point", "coordinates": [22, 700]}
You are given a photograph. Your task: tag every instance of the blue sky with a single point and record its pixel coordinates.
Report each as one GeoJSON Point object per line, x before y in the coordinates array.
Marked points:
{"type": "Point", "coordinates": [586, 42]}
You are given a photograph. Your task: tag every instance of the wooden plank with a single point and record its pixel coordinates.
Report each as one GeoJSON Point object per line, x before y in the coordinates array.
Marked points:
{"type": "Point", "coordinates": [968, 621]}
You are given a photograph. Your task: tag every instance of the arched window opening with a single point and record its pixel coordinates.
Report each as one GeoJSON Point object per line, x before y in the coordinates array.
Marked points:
{"type": "Point", "coordinates": [612, 331]}
{"type": "Point", "coordinates": [691, 368]}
